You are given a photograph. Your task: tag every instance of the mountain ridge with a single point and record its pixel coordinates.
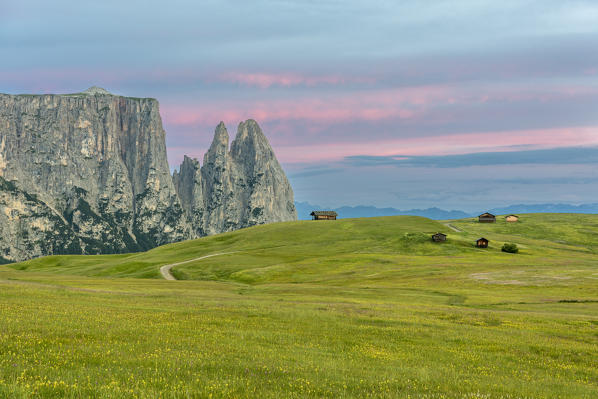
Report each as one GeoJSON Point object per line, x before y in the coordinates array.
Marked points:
{"type": "Point", "coordinates": [88, 173]}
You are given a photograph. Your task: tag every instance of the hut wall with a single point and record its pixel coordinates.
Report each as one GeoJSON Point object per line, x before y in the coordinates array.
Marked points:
{"type": "Point", "coordinates": [324, 217]}
{"type": "Point", "coordinates": [487, 220]}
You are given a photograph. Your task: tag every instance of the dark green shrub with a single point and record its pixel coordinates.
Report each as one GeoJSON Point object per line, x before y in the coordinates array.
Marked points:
{"type": "Point", "coordinates": [510, 248]}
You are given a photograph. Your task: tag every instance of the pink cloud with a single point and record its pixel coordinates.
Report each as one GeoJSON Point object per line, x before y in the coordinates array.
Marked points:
{"type": "Point", "coordinates": [373, 105]}
{"type": "Point", "coordinates": [287, 79]}
{"type": "Point", "coordinates": [408, 103]}
{"type": "Point", "coordinates": [179, 76]}
{"type": "Point", "coordinates": [432, 145]}
{"type": "Point", "coordinates": [412, 105]}
{"type": "Point", "coordinates": [444, 145]}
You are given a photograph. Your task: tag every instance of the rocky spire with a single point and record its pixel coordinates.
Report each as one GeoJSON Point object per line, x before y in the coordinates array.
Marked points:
{"type": "Point", "coordinates": [240, 188]}
{"type": "Point", "coordinates": [250, 137]}
{"type": "Point", "coordinates": [250, 148]}
{"type": "Point", "coordinates": [187, 181]}
{"type": "Point", "coordinates": [219, 147]}
{"type": "Point", "coordinates": [217, 187]}
{"type": "Point", "coordinates": [189, 186]}
{"type": "Point", "coordinates": [267, 194]}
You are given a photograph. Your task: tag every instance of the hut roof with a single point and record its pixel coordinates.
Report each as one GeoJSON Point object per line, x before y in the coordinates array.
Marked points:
{"type": "Point", "coordinates": [440, 234]}
{"type": "Point", "coordinates": [482, 239]}
{"type": "Point", "coordinates": [323, 213]}
{"type": "Point", "coordinates": [487, 214]}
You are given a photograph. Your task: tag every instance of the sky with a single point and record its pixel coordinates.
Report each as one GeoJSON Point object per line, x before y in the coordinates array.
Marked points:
{"type": "Point", "coordinates": [409, 104]}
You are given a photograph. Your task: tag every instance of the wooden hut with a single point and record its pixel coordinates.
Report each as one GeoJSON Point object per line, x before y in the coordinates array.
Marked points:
{"type": "Point", "coordinates": [439, 237]}
{"type": "Point", "coordinates": [512, 218]}
{"type": "Point", "coordinates": [487, 218]}
{"type": "Point", "coordinates": [481, 243]}
{"type": "Point", "coordinates": [323, 215]}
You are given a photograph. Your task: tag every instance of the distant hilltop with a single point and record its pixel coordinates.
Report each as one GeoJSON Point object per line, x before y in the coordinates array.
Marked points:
{"type": "Point", "coordinates": [305, 208]}
{"type": "Point", "coordinates": [93, 90]}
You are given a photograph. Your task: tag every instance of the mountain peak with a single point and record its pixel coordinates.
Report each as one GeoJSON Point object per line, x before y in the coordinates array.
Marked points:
{"type": "Point", "coordinates": [250, 142]}
{"type": "Point", "coordinates": [251, 129]}
{"type": "Point", "coordinates": [220, 136]}
{"type": "Point", "coordinates": [238, 188]}
{"type": "Point", "coordinates": [219, 147]}
{"type": "Point", "coordinates": [94, 90]}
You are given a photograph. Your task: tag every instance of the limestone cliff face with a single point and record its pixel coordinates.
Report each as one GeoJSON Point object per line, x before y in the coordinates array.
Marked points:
{"type": "Point", "coordinates": [96, 163]}
{"type": "Point", "coordinates": [87, 173]}
{"type": "Point", "coordinates": [30, 227]}
{"type": "Point", "coordinates": [242, 187]}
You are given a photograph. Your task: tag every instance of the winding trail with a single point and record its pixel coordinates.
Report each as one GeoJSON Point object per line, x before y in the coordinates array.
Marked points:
{"type": "Point", "coordinates": [450, 226]}
{"type": "Point", "coordinates": [165, 270]}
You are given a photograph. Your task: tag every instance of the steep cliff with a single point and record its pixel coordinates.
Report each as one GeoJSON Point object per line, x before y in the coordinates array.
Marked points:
{"type": "Point", "coordinates": [87, 173]}
{"type": "Point", "coordinates": [238, 188]}
{"type": "Point", "coordinates": [95, 163]}
{"type": "Point", "coordinates": [30, 227]}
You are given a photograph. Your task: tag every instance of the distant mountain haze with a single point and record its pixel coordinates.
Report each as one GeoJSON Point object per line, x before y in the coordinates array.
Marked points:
{"type": "Point", "coordinates": [305, 208]}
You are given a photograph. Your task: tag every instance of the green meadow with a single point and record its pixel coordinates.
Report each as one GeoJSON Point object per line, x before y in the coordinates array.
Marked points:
{"type": "Point", "coordinates": [351, 308]}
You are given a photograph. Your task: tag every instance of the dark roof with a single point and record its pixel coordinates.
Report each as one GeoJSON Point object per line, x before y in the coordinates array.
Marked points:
{"type": "Point", "coordinates": [323, 213]}
{"type": "Point", "coordinates": [440, 234]}
{"type": "Point", "coordinates": [481, 239]}
{"type": "Point", "coordinates": [487, 214]}
{"type": "Point", "coordinates": [511, 215]}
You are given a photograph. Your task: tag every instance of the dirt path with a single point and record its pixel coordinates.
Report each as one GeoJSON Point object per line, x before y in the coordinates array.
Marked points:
{"type": "Point", "coordinates": [165, 270]}
{"type": "Point", "coordinates": [450, 226]}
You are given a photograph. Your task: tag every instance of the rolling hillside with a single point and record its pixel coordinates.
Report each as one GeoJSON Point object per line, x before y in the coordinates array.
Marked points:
{"type": "Point", "coordinates": [349, 251]}
{"type": "Point", "coordinates": [351, 308]}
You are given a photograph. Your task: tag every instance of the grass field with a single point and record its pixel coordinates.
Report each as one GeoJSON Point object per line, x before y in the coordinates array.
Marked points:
{"type": "Point", "coordinates": [351, 308]}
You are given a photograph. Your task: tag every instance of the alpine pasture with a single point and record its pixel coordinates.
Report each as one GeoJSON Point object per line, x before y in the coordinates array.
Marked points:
{"type": "Point", "coordinates": [349, 308]}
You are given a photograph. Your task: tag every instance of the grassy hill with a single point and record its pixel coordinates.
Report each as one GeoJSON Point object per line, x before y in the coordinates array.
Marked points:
{"type": "Point", "coordinates": [260, 246]}
{"type": "Point", "coordinates": [350, 308]}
